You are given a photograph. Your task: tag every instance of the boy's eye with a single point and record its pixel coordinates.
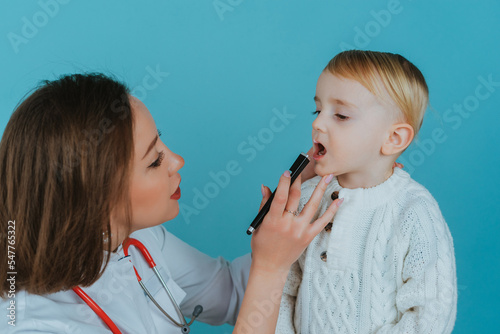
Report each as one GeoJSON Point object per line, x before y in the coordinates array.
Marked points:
{"type": "Point", "coordinates": [316, 112]}
{"type": "Point", "coordinates": [341, 117]}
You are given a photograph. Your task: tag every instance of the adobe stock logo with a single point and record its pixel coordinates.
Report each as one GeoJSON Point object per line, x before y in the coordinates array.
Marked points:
{"type": "Point", "coordinates": [249, 149]}
{"type": "Point", "coordinates": [31, 27]}
{"type": "Point", "coordinates": [453, 117]}
{"type": "Point", "coordinates": [371, 29]}
{"type": "Point", "coordinates": [223, 6]}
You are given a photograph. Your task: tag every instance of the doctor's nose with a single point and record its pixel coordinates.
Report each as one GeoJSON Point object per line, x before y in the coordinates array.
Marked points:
{"type": "Point", "coordinates": [176, 162]}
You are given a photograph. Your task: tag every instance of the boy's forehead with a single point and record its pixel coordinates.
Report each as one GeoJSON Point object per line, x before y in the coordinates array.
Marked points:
{"type": "Point", "coordinates": [349, 93]}
{"type": "Point", "coordinates": [342, 91]}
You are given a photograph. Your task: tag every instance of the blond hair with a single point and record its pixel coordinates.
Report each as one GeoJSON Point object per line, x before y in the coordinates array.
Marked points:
{"type": "Point", "coordinates": [385, 73]}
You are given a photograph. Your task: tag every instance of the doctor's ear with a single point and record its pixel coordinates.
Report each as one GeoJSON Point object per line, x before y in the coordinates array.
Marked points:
{"type": "Point", "coordinates": [399, 138]}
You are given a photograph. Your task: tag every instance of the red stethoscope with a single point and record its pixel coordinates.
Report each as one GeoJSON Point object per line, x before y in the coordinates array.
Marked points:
{"type": "Point", "coordinates": [112, 326]}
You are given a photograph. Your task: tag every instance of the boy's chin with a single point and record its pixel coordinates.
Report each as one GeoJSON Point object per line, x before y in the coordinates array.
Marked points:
{"type": "Point", "coordinates": [321, 171]}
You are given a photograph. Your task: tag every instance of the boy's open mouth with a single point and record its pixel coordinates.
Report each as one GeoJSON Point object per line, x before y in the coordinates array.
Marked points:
{"type": "Point", "coordinates": [319, 149]}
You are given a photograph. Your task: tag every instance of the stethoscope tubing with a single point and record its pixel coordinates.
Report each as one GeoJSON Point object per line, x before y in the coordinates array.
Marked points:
{"type": "Point", "coordinates": [149, 259]}
{"type": "Point", "coordinates": [172, 299]}
{"type": "Point", "coordinates": [158, 305]}
{"type": "Point", "coordinates": [97, 309]}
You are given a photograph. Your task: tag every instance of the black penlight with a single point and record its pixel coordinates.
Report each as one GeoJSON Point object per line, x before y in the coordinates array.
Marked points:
{"type": "Point", "coordinates": [297, 167]}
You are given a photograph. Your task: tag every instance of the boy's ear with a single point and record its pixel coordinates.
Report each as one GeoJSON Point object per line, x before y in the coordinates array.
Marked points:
{"type": "Point", "coordinates": [400, 136]}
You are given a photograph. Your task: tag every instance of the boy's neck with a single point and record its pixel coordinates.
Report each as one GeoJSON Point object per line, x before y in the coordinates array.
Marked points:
{"type": "Point", "coordinates": [364, 179]}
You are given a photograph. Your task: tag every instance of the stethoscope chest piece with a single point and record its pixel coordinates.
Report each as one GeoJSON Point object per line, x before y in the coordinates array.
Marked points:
{"type": "Point", "coordinates": [185, 329]}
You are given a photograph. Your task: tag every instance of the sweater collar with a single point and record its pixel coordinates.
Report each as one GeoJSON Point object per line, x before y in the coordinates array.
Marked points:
{"type": "Point", "coordinates": [374, 196]}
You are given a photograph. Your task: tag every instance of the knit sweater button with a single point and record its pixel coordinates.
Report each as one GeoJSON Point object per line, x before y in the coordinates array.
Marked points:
{"type": "Point", "coordinates": [335, 195]}
{"type": "Point", "coordinates": [323, 256]}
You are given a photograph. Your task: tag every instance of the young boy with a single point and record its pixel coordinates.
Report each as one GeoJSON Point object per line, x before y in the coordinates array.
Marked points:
{"type": "Point", "coordinates": [386, 264]}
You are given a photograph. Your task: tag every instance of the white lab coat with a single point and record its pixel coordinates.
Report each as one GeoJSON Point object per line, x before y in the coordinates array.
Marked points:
{"type": "Point", "coordinates": [193, 278]}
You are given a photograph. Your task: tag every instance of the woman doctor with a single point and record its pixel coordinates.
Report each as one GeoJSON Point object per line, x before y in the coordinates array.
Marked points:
{"type": "Point", "coordinates": [82, 168]}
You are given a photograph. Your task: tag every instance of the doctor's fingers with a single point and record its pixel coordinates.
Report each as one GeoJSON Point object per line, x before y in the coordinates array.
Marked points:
{"type": "Point", "coordinates": [313, 203]}
{"type": "Point", "coordinates": [266, 193]}
{"type": "Point", "coordinates": [319, 224]}
{"type": "Point", "coordinates": [280, 197]}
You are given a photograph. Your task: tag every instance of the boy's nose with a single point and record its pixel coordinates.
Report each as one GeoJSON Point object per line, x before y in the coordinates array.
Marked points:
{"type": "Point", "coordinates": [318, 125]}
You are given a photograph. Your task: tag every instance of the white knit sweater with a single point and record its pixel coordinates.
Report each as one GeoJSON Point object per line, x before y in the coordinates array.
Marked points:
{"type": "Point", "coordinates": [389, 265]}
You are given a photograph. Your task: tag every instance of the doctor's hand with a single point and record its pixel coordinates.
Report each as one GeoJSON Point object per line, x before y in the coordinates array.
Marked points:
{"type": "Point", "coordinates": [276, 245]}
{"type": "Point", "coordinates": [284, 233]}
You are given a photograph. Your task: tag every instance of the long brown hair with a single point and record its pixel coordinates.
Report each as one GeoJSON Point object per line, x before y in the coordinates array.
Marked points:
{"type": "Point", "coordinates": [65, 159]}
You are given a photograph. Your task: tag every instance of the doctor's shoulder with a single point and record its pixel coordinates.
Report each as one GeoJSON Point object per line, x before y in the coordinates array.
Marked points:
{"type": "Point", "coordinates": [31, 313]}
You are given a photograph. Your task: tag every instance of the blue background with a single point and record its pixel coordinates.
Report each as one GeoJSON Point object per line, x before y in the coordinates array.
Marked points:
{"type": "Point", "coordinates": [229, 68]}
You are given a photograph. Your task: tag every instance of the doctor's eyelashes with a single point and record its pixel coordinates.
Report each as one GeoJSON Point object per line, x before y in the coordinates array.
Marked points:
{"type": "Point", "coordinates": [158, 161]}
